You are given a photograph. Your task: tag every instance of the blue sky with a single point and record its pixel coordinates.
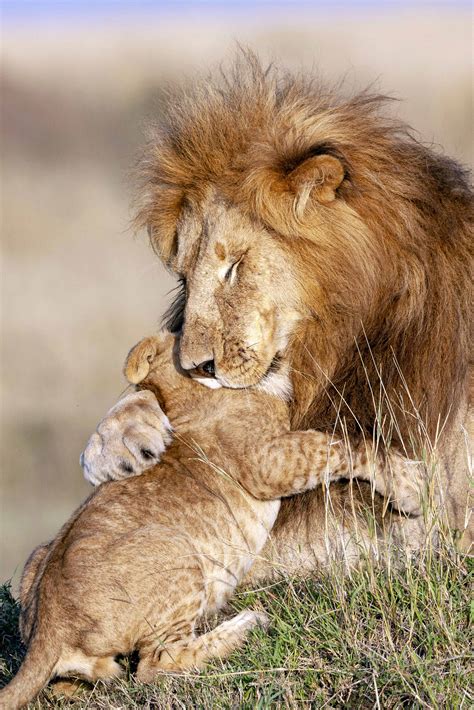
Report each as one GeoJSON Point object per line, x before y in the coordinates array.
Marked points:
{"type": "Point", "coordinates": [47, 9]}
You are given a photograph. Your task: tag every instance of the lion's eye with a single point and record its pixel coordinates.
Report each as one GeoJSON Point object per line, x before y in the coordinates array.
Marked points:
{"type": "Point", "coordinates": [232, 270]}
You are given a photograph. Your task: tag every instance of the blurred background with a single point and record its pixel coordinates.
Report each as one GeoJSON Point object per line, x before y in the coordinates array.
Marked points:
{"type": "Point", "coordinates": [78, 81]}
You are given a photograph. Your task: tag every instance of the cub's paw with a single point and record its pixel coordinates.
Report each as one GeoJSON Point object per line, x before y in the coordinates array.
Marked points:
{"type": "Point", "coordinates": [128, 441]}
{"type": "Point", "coordinates": [407, 481]}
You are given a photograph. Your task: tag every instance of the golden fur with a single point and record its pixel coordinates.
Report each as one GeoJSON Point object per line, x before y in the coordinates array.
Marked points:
{"type": "Point", "coordinates": [346, 252]}
{"type": "Point", "coordinates": [142, 559]}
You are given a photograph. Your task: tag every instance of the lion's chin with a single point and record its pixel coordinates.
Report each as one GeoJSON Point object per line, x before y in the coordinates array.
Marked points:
{"type": "Point", "coordinates": [220, 380]}
{"type": "Point", "coordinates": [255, 378]}
{"type": "Point", "coordinates": [275, 381]}
{"type": "Point", "coordinates": [240, 383]}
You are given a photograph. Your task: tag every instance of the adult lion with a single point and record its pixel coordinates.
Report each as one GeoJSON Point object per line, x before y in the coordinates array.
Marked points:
{"type": "Point", "coordinates": [313, 229]}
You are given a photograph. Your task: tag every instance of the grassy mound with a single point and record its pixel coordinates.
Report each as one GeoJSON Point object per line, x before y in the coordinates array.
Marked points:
{"type": "Point", "coordinates": [383, 638]}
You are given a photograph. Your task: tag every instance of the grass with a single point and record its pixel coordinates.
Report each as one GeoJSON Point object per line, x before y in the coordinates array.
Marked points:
{"type": "Point", "coordinates": [379, 638]}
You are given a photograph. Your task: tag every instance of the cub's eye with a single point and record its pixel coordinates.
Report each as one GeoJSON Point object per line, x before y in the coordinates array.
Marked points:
{"type": "Point", "coordinates": [232, 270]}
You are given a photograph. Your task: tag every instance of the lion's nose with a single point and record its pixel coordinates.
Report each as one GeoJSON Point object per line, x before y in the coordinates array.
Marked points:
{"type": "Point", "coordinates": [195, 355]}
{"type": "Point", "coordinates": [208, 368]}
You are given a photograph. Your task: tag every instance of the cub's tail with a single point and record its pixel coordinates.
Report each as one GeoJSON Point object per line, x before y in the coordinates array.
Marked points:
{"type": "Point", "coordinates": [34, 673]}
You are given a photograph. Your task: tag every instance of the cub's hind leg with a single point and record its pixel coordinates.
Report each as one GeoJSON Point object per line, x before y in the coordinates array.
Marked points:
{"type": "Point", "coordinates": [191, 653]}
{"type": "Point", "coordinates": [87, 672]}
{"type": "Point", "coordinates": [90, 668]}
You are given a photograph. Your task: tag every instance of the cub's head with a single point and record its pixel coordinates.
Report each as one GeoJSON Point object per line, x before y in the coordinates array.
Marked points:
{"type": "Point", "coordinates": [153, 362]}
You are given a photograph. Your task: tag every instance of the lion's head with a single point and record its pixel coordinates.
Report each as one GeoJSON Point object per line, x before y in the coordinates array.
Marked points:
{"type": "Point", "coordinates": [302, 227]}
{"type": "Point", "coordinates": [241, 296]}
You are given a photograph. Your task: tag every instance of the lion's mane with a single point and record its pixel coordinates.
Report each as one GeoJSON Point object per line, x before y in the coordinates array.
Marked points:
{"type": "Point", "coordinates": [392, 254]}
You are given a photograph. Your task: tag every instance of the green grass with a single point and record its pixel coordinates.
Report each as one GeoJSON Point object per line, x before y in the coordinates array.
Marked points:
{"type": "Point", "coordinates": [383, 638]}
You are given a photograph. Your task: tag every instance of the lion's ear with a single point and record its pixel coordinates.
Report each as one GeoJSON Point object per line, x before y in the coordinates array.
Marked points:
{"type": "Point", "coordinates": [316, 177]}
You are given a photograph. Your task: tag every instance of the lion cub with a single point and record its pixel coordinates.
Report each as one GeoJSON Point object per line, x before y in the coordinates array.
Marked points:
{"type": "Point", "coordinates": [142, 559]}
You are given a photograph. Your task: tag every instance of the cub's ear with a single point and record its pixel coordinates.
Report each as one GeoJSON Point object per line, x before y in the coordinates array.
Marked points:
{"type": "Point", "coordinates": [317, 177]}
{"type": "Point", "coordinates": [139, 359]}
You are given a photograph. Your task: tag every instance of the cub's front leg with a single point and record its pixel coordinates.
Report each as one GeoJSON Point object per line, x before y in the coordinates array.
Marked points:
{"type": "Point", "coordinates": [300, 461]}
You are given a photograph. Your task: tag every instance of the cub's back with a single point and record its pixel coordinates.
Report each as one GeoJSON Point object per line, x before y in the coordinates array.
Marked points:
{"type": "Point", "coordinates": [159, 528]}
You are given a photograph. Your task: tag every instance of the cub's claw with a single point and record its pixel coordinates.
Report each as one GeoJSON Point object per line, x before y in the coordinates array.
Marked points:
{"type": "Point", "coordinates": [128, 441]}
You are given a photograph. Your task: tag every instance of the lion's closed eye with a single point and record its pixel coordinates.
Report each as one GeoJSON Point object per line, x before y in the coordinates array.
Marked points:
{"type": "Point", "coordinates": [231, 272]}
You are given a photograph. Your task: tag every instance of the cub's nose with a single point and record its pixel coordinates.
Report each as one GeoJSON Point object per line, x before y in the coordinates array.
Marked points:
{"type": "Point", "coordinates": [207, 368]}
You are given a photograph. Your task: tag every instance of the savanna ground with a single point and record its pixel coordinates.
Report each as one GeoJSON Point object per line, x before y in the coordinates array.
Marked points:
{"type": "Point", "coordinates": [380, 638]}
{"type": "Point", "coordinates": [78, 291]}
